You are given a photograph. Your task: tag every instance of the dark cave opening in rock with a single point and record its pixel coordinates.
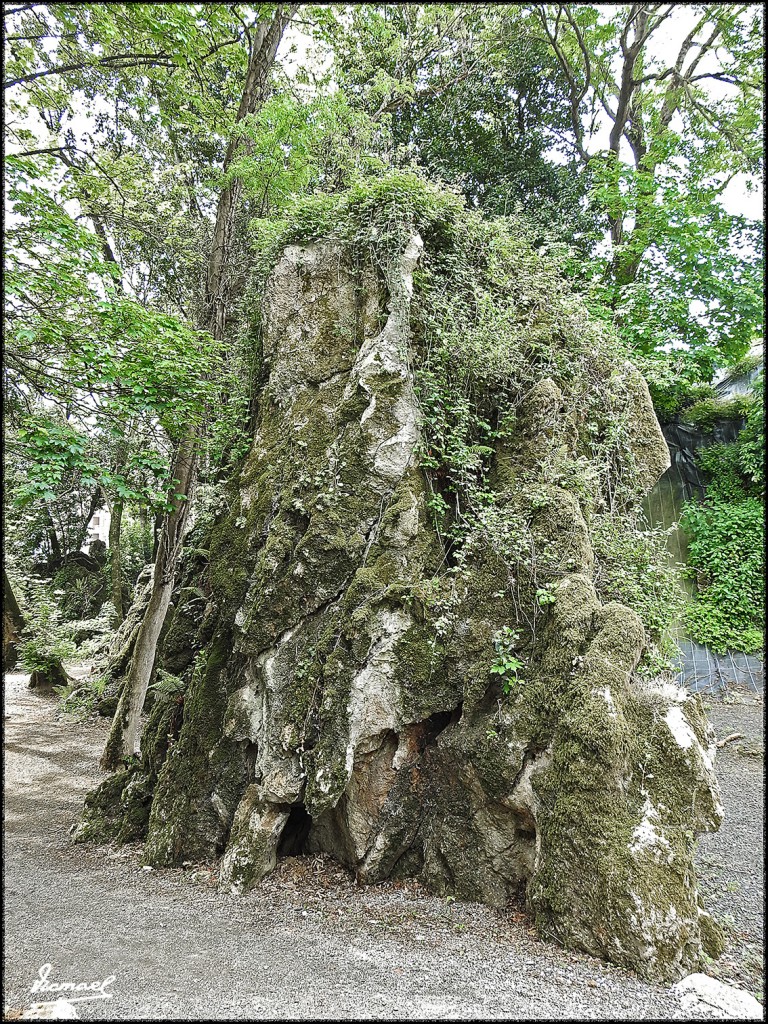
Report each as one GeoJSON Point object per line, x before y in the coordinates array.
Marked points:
{"type": "Point", "coordinates": [294, 838]}
{"type": "Point", "coordinates": [436, 723]}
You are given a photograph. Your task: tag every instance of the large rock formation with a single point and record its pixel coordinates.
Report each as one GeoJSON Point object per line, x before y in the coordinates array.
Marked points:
{"type": "Point", "coordinates": [470, 713]}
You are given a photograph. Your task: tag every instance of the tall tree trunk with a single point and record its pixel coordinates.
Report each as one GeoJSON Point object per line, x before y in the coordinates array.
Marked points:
{"type": "Point", "coordinates": [96, 503]}
{"type": "Point", "coordinates": [55, 558]}
{"type": "Point", "coordinates": [262, 55]}
{"type": "Point", "coordinates": [13, 623]}
{"type": "Point", "coordinates": [157, 529]}
{"type": "Point", "coordinates": [115, 568]}
{"type": "Point", "coordinates": [125, 734]}
{"type": "Point", "coordinates": [147, 546]}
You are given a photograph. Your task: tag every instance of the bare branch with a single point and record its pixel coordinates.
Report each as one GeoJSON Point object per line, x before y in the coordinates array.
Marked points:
{"type": "Point", "coordinates": [37, 152]}
{"type": "Point", "coordinates": [44, 35]}
{"type": "Point", "coordinates": [652, 25]}
{"type": "Point", "coordinates": [719, 76]}
{"type": "Point", "coordinates": [584, 52]}
{"type": "Point", "coordinates": [703, 49]}
{"type": "Point", "coordinates": [656, 76]}
{"type": "Point", "coordinates": [20, 10]}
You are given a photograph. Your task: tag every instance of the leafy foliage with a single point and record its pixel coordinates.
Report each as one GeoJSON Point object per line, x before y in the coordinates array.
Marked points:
{"type": "Point", "coordinates": [507, 665]}
{"type": "Point", "coordinates": [471, 94]}
{"type": "Point", "coordinates": [751, 446]}
{"type": "Point", "coordinates": [706, 412]}
{"type": "Point", "coordinates": [47, 639]}
{"type": "Point", "coordinates": [726, 553]}
{"type": "Point", "coordinates": [660, 134]}
{"type": "Point", "coordinates": [727, 533]}
{"type": "Point", "coordinates": [632, 566]}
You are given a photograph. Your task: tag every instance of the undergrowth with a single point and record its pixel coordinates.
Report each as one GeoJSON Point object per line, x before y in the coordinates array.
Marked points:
{"type": "Point", "coordinates": [726, 540]}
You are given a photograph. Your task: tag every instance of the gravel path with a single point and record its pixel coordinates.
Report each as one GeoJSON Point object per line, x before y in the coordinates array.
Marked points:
{"type": "Point", "coordinates": [309, 944]}
{"type": "Point", "coordinates": [731, 864]}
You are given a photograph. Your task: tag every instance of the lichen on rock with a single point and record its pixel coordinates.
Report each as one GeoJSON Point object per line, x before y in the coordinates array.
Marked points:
{"type": "Point", "coordinates": [397, 648]}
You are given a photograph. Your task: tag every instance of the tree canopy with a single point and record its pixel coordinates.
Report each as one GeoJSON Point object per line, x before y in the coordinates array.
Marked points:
{"type": "Point", "coordinates": [156, 150]}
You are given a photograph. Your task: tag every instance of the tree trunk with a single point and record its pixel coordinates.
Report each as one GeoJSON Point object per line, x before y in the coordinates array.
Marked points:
{"type": "Point", "coordinates": [46, 678]}
{"type": "Point", "coordinates": [125, 734]}
{"type": "Point", "coordinates": [115, 569]}
{"type": "Point", "coordinates": [147, 546]}
{"type": "Point", "coordinates": [97, 502]}
{"type": "Point", "coordinates": [263, 49]}
{"type": "Point", "coordinates": [13, 623]}
{"type": "Point", "coordinates": [55, 558]}
{"type": "Point", "coordinates": [157, 529]}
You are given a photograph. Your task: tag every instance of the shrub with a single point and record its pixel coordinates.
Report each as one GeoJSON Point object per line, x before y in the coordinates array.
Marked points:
{"type": "Point", "coordinates": [47, 641]}
{"type": "Point", "coordinates": [726, 534]}
{"type": "Point", "coordinates": [726, 558]}
{"type": "Point", "coordinates": [706, 413]}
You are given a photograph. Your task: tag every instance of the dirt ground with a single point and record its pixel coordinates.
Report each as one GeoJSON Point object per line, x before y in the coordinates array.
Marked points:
{"type": "Point", "coordinates": [308, 943]}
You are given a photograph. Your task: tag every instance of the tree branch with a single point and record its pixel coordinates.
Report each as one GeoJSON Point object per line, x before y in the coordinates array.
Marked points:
{"type": "Point", "coordinates": [20, 10]}
{"type": "Point", "coordinates": [130, 60]}
{"type": "Point", "coordinates": [575, 96]}
{"type": "Point", "coordinates": [38, 152]}
{"type": "Point", "coordinates": [584, 52]}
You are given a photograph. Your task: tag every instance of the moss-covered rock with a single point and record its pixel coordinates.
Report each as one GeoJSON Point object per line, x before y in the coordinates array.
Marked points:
{"type": "Point", "coordinates": [377, 667]}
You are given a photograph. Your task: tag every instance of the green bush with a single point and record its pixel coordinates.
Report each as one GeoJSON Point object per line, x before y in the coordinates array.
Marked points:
{"type": "Point", "coordinates": [706, 413]}
{"type": "Point", "coordinates": [135, 547]}
{"type": "Point", "coordinates": [679, 386]}
{"type": "Point", "coordinates": [751, 441]}
{"type": "Point", "coordinates": [722, 464]}
{"type": "Point", "coordinates": [726, 558]}
{"type": "Point", "coordinates": [83, 591]}
{"type": "Point", "coordinates": [79, 696]}
{"type": "Point", "coordinates": [47, 641]}
{"type": "Point", "coordinates": [726, 533]}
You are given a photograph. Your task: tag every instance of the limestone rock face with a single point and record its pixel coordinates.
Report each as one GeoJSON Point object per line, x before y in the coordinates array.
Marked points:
{"type": "Point", "coordinates": [336, 705]}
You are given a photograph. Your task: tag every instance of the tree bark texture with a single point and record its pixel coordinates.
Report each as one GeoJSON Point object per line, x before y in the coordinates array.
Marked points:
{"type": "Point", "coordinates": [125, 734]}
{"type": "Point", "coordinates": [115, 567]}
{"type": "Point", "coordinates": [13, 624]}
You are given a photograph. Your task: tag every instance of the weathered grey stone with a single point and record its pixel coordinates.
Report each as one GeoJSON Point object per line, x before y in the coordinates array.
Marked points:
{"type": "Point", "coordinates": [339, 706]}
{"type": "Point", "coordinates": [56, 1009]}
{"type": "Point", "coordinates": [699, 993]}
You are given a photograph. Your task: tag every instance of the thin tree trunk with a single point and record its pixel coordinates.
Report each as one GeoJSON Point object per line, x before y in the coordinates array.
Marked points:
{"type": "Point", "coordinates": [157, 529]}
{"type": "Point", "coordinates": [13, 624]}
{"type": "Point", "coordinates": [55, 559]}
{"type": "Point", "coordinates": [11, 604]}
{"type": "Point", "coordinates": [125, 734]}
{"type": "Point", "coordinates": [263, 49]}
{"type": "Point", "coordinates": [147, 545]}
{"type": "Point", "coordinates": [115, 568]}
{"type": "Point", "coordinates": [97, 502]}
